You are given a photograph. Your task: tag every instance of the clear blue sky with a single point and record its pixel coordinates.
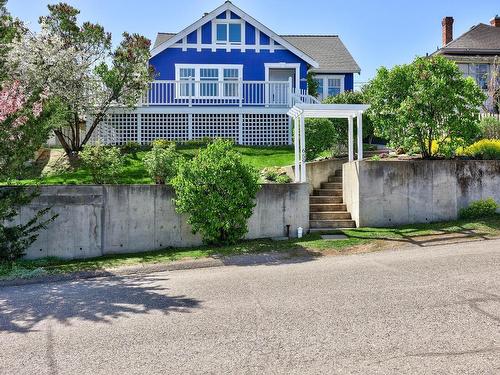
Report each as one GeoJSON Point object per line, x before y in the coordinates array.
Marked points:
{"type": "Point", "coordinates": [376, 32]}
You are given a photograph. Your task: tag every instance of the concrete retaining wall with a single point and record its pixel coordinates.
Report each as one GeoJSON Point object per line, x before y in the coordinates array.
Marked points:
{"type": "Point", "coordinates": [99, 220]}
{"type": "Point", "coordinates": [386, 193]}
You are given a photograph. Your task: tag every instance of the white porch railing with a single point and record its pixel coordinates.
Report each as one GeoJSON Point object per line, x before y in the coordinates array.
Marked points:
{"type": "Point", "coordinates": [302, 97]}
{"type": "Point", "coordinates": [230, 93]}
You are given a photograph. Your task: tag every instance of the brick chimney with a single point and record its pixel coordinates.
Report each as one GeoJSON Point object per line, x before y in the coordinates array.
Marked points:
{"type": "Point", "coordinates": [495, 21]}
{"type": "Point", "coordinates": [447, 24]}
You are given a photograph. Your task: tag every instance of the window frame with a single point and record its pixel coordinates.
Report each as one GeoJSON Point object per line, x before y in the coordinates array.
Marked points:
{"type": "Point", "coordinates": [325, 77]}
{"type": "Point", "coordinates": [226, 22]}
{"type": "Point", "coordinates": [221, 89]}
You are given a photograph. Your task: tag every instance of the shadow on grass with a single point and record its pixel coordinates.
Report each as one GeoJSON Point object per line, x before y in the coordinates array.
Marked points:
{"type": "Point", "coordinates": [433, 234]}
{"type": "Point", "coordinates": [98, 300]}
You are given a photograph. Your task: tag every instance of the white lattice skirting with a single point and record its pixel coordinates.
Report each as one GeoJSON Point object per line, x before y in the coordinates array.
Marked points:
{"type": "Point", "coordinates": [244, 128]}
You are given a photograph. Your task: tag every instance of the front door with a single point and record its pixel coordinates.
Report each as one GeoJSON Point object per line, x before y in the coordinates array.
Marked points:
{"type": "Point", "coordinates": [278, 93]}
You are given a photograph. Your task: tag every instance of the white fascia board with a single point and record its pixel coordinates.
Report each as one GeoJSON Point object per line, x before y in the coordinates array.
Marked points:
{"type": "Point", "coordinates": [227, 6]}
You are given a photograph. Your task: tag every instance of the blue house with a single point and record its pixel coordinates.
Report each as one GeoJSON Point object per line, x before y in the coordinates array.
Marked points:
{"type": "Point", "coordinates": [227, 75]}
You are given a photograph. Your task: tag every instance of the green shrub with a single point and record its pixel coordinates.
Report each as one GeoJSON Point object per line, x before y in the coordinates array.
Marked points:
{"type": "Point", "coordinates": [161, 163]}
{"type": "Point", "coordinates": [479, 209]}
{"type": "Point", "coordinates": [217, 190]}
{"type": "Point", "coordinates": [490, 128]}
{"type": "Point", "coordinates": [162, 143]}
{"type": "Point", "coordinates": [486, 149]}
{"type": "Point", "coordinates": [131, 148]}
{"type": "Point", "coordinates": [199, 142]}
{"type": "Point", "coordinates": [321, 135]}
{"type": "Point", "coordinates": [275, 174]}
{"type": "Point", "coordinates": [283, 179]}
{"type": "Point", "coordinates": [104, 163]}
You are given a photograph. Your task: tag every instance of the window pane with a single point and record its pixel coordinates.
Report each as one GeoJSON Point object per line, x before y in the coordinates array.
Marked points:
{"type": "Point", "coordinates": [334, 86]}
{"type": "Point", "coordinates": [186, 89]}
{"type": "Point", "coordinates": [231, 87]}
{"type": "Point", "coordinates": [209, 88]}
{"type": "Point", "coordinates": [235, 33]}
{"type": "Point", "coordinates": [482, 73]}
{"type": "Point", "coordinates": [222, 32]}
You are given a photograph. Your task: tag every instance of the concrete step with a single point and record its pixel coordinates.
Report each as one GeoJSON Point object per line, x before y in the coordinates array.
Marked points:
{"type": "Point", "coordinates": [324, 192]}
{"type": "Point", "coordinates": [332, 224]}
{"type": "Point", "coordinates": [327, 207]}
{"type": "Point", "coordinates": [331, 185]}
{"type": "Point", "coordinates": [334, 179]}
{"type": "Point", "coordinates": [330, 215]}
{"type": "Point", "coordinates": [338, 173]}
{"type": "Point", "coordinates": [326, 230]}
{"type": "Point", "coordinates": [329, 199]}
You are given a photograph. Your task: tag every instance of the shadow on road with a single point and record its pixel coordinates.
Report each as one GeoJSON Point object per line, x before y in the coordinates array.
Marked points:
{"type": "Point", "coordinates": [96, 300]}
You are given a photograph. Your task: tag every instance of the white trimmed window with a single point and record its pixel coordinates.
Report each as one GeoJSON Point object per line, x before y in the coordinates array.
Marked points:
{"type": "Point", "coordinates": [329, 85]}
{"type": "Point", "coordinates": [208, 81]}
{"type": "Point", "coordinates": [480, 73]}
{"type": "Point", "coordinates": [228, 32]}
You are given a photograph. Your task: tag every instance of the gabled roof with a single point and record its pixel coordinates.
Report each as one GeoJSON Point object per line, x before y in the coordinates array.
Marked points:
{"type": "Point", "coordinates": [480, 39]}
{"type": "Point", "coordinates": [224, 7]}
{"type": "Point", "coordinates": [327, 50]}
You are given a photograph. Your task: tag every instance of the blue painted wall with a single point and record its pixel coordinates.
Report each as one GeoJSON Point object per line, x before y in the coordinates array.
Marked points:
{"type": "Point", "coordinates": [349, 82]}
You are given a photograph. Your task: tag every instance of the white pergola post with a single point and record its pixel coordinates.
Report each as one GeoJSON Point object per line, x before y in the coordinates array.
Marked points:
{"type": "Point", "coordinates": [360, 135]}
{"type": "Point", "coordinates": [302, 149]}
{"type": "Point", "coordinates": [296, 148]}
{"type": "Point", "coordinates": [350, 138]}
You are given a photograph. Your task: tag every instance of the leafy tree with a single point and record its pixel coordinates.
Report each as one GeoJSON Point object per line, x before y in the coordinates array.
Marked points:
{"type": "Point", "coordinates": [76, 64]}
{"type": "Point", "coordinates": [429, 99]}
{"type": "Point", "coordinates": [312, 84]}
{"type": "Point", "coordinates": [217, 190]}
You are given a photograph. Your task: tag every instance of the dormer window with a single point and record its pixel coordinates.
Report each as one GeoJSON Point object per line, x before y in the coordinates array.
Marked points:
{"type": "Point", "coordinates": [228, 33]}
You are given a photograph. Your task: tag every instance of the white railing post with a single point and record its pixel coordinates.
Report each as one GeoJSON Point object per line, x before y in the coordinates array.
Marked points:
{"type": "Point", "coordinates": [240, 92]}
{"type": "Point", "coordinates": [360, 135]}
{"type": "Point", "coordinates": [296, 148]}
{"type": "Point", "coordinates": [290, 92]}
{"type": "Point", "coordinates": [303, 177]}
{"type": "Point", "coordinates": [350, 140]}
{"type": "Point", "coordinates": [240, 129]}
{"type": "Point", "coordinates": [190, 100]}
{"type": "Point", "coordinates": [190, 126]}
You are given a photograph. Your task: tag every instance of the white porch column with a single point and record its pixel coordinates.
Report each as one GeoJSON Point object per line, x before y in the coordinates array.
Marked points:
{"type": "Point", "coordinates": [139, 128]}
{"type": "Point", "coordinates": [303, 177]}
{"type": "Point", "coordinates": [297, 148]}
{"type": "Point", "coordinates": [360, 135]}
{"type": "Point", "coordinates": [350, 138]}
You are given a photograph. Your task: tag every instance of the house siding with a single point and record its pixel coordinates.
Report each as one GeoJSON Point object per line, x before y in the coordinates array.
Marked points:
{"type": "Point", "coordinates": [253, 62]}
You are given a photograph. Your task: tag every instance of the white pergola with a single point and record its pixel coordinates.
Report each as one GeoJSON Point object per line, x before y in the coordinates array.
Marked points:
{"type": "Point", "coordinates": [299, 112]}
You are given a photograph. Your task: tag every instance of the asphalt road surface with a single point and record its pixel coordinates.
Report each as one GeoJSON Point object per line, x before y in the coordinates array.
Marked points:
{"type": "Point", "coordinates": [433, 310]}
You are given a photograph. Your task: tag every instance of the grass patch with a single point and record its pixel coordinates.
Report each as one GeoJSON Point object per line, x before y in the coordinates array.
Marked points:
{"type": "Point", "coordinates": [419, 233]}
{"type": "Point", "coordinates": [135, 173]}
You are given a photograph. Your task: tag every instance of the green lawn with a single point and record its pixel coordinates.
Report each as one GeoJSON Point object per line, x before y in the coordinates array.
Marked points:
{"type": "Point", "coordinates": [312, 243]}
{"type": "Point", "coordinates": [134, 172]}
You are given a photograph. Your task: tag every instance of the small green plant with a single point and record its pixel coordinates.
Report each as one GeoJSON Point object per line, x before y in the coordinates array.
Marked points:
{"type": "Point", "coordinates": [479, 209]}
{"type": "Point", "coordinates": [283, 179]}
{"type": "Point", "coordinates": [275, 174]}
{"type": "Point", "coordinates": [375, 158]}
{"type": "Point", "coordinates": [199, 142]}
{"type": "Point", "coordinates": [161, 163]}
{"type": "Point", "coordinates": [321, 135]}
{"type": "Point", "coordinates": [217, 190]}
{"type": "Point", "coordinates": [486, 149]}
{"type": "Point", "coordinates": [131, 148]}
{"type": "Point", "coordinates": [490, 128]}
{"type": "Point", "coordinates": [162, 143]}
{"type": "Point", "coordinates": [104, 163]}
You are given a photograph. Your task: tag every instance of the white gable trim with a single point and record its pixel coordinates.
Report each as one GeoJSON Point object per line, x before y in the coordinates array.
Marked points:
{"type": "Point", "coordinates": [229, 7]}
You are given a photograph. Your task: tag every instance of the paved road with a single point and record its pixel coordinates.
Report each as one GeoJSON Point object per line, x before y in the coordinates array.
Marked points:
{"type": "Point", "coordinates": [432, 310]}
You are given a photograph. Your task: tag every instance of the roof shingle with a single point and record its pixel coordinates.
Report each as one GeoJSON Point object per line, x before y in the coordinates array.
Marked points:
{"type": "Point", "coordinates": [480, 38]}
